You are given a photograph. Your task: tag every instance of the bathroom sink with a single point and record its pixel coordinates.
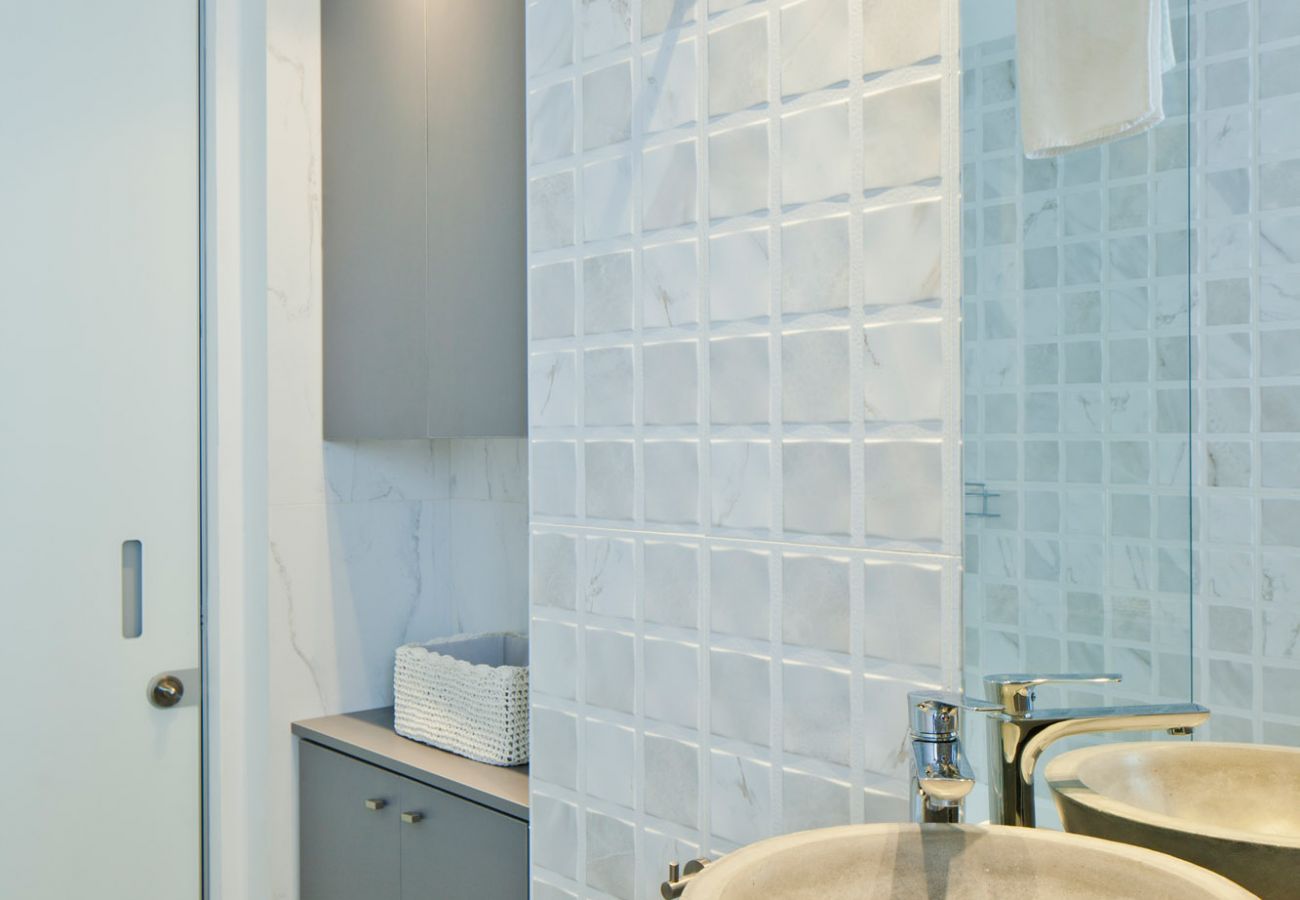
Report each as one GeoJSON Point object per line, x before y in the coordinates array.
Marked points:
{"type": "Point", "coordinates": [1233, 808]}
{"type": "Point", "coordinates": [961, 862]}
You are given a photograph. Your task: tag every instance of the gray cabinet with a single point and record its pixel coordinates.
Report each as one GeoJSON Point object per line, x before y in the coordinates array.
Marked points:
{"type": "Point", "coordinates": [348, 826]}
{"type": "Point", "coordinates": [460, 849]}
{"type": "Point", "coordinates": [369, 834]}
{"type": "Point", "coordinates": [424, 222]}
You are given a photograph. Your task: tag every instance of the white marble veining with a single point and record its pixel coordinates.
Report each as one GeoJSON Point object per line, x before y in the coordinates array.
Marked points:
{"type": "Point", "coordinates": [375, 543]}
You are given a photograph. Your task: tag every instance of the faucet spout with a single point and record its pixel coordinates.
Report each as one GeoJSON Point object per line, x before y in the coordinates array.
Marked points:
{"type": "Point", "coordinates": [1040, 729]}
{"type": "Point", "coordinates": [941, 777]}
{"type": "Point", "coordinates": [1019, 740]}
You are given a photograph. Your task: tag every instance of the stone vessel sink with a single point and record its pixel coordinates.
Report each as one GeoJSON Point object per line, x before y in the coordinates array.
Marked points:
{"type": "Point", "coordinates": [961, 862]}
{"type": "Point", "coordinates": [1233, 808]}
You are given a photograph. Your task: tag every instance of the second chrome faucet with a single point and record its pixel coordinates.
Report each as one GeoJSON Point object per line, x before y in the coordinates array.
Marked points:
{"type": "Point", "coordinates": [1018, 735]}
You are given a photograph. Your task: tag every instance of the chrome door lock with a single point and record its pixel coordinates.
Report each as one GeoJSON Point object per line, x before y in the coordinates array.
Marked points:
{"type": "Point", "coordinates": [168, 690]}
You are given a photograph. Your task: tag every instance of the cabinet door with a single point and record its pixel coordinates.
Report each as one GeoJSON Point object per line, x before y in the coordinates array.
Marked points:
{"type": "Point", "coordinates": [476, 243]}
{"type": "Point", "coordinates": [348, 827]}
{"type": "Point", "coordinates": [373, 143]}
{"type": "Point", "coordinates": [458, 849]}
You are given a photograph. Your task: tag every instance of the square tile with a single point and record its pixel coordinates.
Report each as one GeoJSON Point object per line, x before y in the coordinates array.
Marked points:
{"type": "Point", "coordinates": [898, 33]}
{"type": "Point", "coordinates": [738, 171]}
{"type": "Point", "coordinates": [740, 797]}
{"type": "Point", "coordinates": [739, 685]}
{"type": "Point", "coordinates": [550, 36]}
{"type": "Point", "coordinates": [739, 484]}
{"type": "Point", "coordinates": [672, 482]}
{"type": "Point", "coordinates": [815, 154]}
{"type": "Point", "coordinates": [611, 856]}
{"type": "Point", "coordinates": [739, 592]}
{"type": "Point", "coordinates": [668, 75]}
{"type": "Point", "coordinates": [902, 254]}
{"type": "Point", "coordinates": [739, 287]}
{"type": "Point", "coordinates": [815, 265]}
{"type": "Point", "coordinates": [903, 372]}
{"type": "Point", "coordinates": [815, 601]}
{"type": "Point", "coordinates": [554, 469]}
{"type": "Point", "coordinates": [553, 652]}
{"type": "Point", "coordinates": [812, 801]}
{"type": "Point", "coordinates": [904, 612]}
{"type": "Point", "coordinates": [550, 300]}
{"type": "Point", "coordinates": [900, 129]}
{"type": "Point", "coordinates": [607, 660]}
{"type": "Point", "coordinates": [671, 583]}
{"type": "Point", "coordinates": [550, 212]}
{"type": "Point", "coordinates": [555, 846]}
{"type": "Point", "coordinates": [658, 16]}
{"type": "Point", "coordinates": [670, 287]}
{"type": "Point", "coordinates": [670, 383]}
{"type": "Point", "coordinates": [815, 376]}
{"type": "Point", "coordinates": [814, 45]}
{"type": "Point", "coordinates": [671, 682]}
{"type": "Point", "coordinates": [609, 466]}
{"type": "Point", "coordinates": [903, 488]}
{"type": "Point", "coordinates": [816, 484]}
{"type": "Point", "coordinates": [552, 395]}
{"type": "Point", "coordinates": [815, 721]}
{"type": "Point", "coordinates": [672, 780]}
{"type": "Point", "coordinates": [738, 379]}
{"type": "Point", "coordinates": [607, 106]}
{"type": "Point", "coordinates": [738, 66]}
{"type": "Point", "coordinates": [607, 374]}
{"type": "Point", "coordinates": [605, 753]}
{"type": "Point", "coordinates": [607, 293]}
{"type": "Point", "coordinates": [553, 751]}
{"type": "Point", "coordinates": [607, 199]}
{"type": "Point", "coordinates": [605, 25]}
{"type": "Point", "coordinates": [550, 123]}
{"type": "Point", "coordinates": [555, 570]}
{"type": "Point", "coordinates": [668, 185]}
{"type": "Point", "coordinates": [609, 577]}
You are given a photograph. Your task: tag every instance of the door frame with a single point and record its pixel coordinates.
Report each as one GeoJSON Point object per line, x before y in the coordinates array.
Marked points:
{"type": "Point", "coordinates": [234, 554]}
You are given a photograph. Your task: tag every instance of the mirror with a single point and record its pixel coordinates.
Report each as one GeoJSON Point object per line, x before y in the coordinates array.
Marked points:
{"type": "Point", "coordinates": [1078, 402]}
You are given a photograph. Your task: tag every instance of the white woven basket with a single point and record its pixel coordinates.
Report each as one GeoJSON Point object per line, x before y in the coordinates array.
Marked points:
{"type": "Point", "coordinates": [466, 694]}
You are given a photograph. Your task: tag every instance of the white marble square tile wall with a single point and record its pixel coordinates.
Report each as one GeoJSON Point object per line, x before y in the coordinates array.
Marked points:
{"type": "Point", "coordinates": [744, 419]}
{"type": "Point", "coordinates": [1247, 157]}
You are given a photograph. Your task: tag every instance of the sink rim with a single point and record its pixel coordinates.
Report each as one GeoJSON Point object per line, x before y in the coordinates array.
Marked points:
{"type": "Point", "coordinates": [1062, 776]}
{"type": "Point", "coordinates": [710, 883]}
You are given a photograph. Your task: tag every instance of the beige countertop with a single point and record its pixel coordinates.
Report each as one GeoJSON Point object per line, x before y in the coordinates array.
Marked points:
{"type": "Point", "coordinates": [369, 737]}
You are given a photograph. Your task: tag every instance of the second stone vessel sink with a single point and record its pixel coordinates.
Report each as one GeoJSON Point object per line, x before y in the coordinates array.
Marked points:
{"type": "Point", "coordinates": [1232, 808]}
{"type": "Point", "coordinates": [951, 862]}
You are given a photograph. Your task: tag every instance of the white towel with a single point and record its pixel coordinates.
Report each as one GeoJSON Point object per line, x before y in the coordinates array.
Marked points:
{"type": "Point", "coordinates": [1090, 71]}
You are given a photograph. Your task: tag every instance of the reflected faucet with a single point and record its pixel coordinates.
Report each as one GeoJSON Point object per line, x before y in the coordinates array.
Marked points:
{"type": "Point", "coordinates": [1018, 734]}
{"type": "Point", "coordinates": [941, 777]}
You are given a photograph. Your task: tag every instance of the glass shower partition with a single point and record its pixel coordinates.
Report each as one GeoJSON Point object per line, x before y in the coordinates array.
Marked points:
{"type": "Point", "coordinates": [1077, 416]}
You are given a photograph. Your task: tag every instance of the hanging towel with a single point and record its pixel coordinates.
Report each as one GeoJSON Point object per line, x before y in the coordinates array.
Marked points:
{"type": "Point", "coordinates": [1090, 71]}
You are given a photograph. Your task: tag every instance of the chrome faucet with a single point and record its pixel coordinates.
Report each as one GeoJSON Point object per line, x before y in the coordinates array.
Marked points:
{"type": "Point", "coordinates": [941, 777]}
{"type": "Point", "coordinates": [1019, 733]}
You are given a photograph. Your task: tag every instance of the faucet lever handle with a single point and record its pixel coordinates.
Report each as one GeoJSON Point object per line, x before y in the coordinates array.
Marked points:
{"type": "Point", "coordinates": [1015, 691]}
{"type": "Point", "coordinates": [935, 715]}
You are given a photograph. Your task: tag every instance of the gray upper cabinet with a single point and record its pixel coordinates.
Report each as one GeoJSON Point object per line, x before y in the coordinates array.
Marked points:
{"type": "Point", "coordinates": [424, 222]}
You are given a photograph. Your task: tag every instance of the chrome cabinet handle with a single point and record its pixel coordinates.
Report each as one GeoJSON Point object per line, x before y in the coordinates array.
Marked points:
{"type": "Point", "coordinates": [410, 818]}
{"type": "Point", "coordinates": [376, 804]}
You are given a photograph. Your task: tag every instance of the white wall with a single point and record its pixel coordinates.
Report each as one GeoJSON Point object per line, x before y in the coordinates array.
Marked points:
{"type": "Point", "coordinates": [372, 544]}
{"type": "Point", "coordinates": [744, 427]}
